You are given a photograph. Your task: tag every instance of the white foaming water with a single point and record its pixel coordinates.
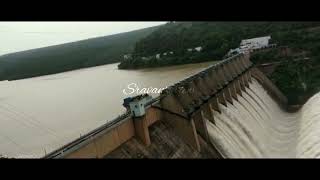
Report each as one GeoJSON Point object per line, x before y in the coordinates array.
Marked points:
{"type": "Point", "coordinates": [256, 127]}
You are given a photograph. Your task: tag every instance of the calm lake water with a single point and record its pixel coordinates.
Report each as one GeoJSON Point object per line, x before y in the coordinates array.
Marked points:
{"type": "Point", "coordinates": [39, 115]}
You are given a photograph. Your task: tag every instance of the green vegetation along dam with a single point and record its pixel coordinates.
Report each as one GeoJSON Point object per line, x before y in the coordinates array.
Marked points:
{"type": "Point", "coordinates": [229, 110]}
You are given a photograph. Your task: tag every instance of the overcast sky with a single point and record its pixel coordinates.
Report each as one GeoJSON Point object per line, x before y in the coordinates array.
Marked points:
{"type": "Point", "coordinates": [19, 36]}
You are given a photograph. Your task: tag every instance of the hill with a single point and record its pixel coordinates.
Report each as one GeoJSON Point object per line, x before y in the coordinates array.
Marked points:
{"type": "Point", "coordinates": [69, 56]}
{"type": "Point", "coordinates": [298, 77]}
{"type": "Point", "coordinates": [296, 71]}
{"type": "Point", "coordinates": [216, 39]}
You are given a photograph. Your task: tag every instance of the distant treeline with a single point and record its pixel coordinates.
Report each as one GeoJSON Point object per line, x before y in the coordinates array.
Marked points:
{"type": "Point", "coordinates": [216, 39]}
{"type": "Point", "coordinates": [70, 56]}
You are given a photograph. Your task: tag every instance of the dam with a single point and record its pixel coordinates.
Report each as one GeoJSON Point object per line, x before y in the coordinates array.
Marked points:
{"type": "Point", "coordinates": [41, 114]}
{"type": "Point", "coordinates": [228, 110]}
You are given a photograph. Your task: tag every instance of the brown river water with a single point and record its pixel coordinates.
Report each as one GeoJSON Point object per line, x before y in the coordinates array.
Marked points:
{"type": "Point", "coordinates": [39, 115]}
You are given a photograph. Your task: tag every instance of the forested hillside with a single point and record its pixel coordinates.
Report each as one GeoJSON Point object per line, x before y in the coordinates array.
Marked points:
{"type": "Point", "coordinates": [298, 74]}
{"type": "Point", "coordinates": [216, 39]}
{"type": "Point", "coordinates": [69, 56]}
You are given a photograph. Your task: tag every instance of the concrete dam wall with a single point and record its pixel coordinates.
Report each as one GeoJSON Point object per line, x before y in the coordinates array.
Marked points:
{"type": "Point", "coordinates": [229, 110]}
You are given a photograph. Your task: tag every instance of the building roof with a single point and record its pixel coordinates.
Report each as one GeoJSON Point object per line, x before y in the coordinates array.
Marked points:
{"type": "Point", "coordinates": [255, 40]}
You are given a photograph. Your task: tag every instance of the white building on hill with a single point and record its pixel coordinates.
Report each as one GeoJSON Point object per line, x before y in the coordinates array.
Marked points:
{"type": "Point", "coordinates": [198, 48]}
{"type": "Point", "coordinates": [127, 56]}
{"type": "Point", "coordinates": [255, 43]}
{"type": "Point", "coordinates": [195, 49]}
{"type": "Point", "coordinates": [250, 44]}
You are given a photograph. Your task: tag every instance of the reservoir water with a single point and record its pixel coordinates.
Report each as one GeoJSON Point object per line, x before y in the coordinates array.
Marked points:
{"type": "Point", "coordinates": [39, 115]}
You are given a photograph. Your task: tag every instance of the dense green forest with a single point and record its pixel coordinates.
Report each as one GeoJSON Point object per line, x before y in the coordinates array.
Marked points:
{"type": "Point", "coordinates": [297, 78]}
{"type": "Point", "coordinates": [69, 56]}
{"type": "Point", "coordinates": [216, 39]}
{"type": "Point", "coordinates": [297, 75]}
